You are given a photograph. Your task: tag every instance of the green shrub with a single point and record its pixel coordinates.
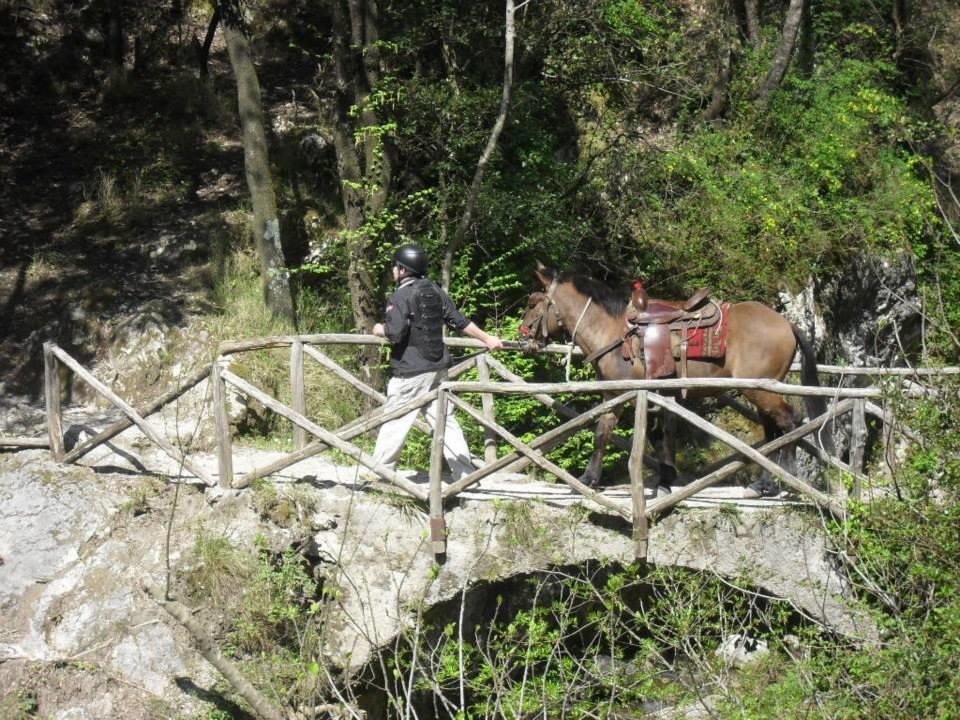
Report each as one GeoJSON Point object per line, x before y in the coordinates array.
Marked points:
{"type": "Point", "coordinates": [903, 559]}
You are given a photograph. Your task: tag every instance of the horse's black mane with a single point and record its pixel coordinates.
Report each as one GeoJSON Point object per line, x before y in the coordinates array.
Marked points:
{"type": "Point", "coordinates": [613, 300]}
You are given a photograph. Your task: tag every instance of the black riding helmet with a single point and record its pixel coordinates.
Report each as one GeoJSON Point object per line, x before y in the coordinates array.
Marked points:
{"type": "Point", "coordinates": [412, 257]}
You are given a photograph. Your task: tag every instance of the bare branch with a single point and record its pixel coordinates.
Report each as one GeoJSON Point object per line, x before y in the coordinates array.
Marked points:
{"type": "Point", "coordinates": [460, 235]}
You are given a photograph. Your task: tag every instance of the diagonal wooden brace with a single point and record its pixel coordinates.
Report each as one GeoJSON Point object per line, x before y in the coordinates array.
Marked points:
{"type": "Point", "coordinates": [328, 437]}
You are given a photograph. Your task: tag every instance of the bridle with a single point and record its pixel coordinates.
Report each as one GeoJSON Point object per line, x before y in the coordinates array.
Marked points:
{"type": "Point", "coordinates": [539, 324]}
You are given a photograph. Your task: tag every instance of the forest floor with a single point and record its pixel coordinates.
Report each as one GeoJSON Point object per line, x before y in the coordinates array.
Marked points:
{"type": "Point", "coordinates": [115, 194]}
{"type": "Point", "coordinates": [101, 217]}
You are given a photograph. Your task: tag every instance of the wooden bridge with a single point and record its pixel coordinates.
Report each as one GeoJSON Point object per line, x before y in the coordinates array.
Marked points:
{"type": "Point", "coordinates": [858, 402]}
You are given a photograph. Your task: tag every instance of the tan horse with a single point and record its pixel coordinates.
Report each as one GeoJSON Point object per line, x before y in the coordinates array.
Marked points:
{"type": "Point", "coordinates": [760, 343]}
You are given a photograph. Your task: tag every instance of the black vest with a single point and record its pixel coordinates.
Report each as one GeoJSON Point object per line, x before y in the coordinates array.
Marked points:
{"type": "Point", "coordinates": [426, 325]}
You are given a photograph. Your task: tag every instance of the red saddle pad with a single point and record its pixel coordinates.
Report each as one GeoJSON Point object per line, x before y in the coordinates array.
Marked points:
{"type": "Point", "coordinates": [708, 342]}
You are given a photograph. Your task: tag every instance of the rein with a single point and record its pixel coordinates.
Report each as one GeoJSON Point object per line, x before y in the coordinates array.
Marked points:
{"type": "Point", "coordinates": [597, 354]}
{"type": "Point", "coordinates": [539, 326]}
{"type": "Point", "coordinates": [573, 337]}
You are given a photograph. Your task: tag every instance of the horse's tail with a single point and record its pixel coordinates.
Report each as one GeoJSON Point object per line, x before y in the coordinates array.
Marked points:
{"type": "Point", "coordinates": [816, 404]}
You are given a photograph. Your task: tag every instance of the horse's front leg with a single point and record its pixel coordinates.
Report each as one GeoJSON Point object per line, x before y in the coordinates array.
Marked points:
{"type": "Point", "coordinates": [778, 418]}
{"type": "Point", "coordinates": [601, 438]}
{"type": "Point", "coordinates": [662, 433]}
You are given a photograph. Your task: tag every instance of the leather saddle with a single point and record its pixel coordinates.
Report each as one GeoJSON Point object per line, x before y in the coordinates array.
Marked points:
{"type": "Point", "coordinates": [662, 327]}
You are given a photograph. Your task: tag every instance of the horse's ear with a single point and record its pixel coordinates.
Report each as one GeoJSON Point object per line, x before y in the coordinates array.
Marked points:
{"type": "Point", "coordinates": [544, 274]}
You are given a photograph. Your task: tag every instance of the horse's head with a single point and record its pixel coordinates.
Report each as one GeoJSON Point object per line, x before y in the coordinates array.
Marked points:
{"type": "Point", "coordinates": [542, 319]}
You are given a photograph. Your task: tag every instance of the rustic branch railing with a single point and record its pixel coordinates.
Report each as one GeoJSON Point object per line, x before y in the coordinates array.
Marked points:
{"type": "Point", "coordinates": [52, 353]}
{"type": "Point", "coordinates": [23, 443]}
{"type": "Point", "coordinates": [519, 455]}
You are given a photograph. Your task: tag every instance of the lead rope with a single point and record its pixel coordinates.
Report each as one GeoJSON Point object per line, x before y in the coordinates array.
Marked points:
{"type": "Point", "coordinates": [573, 337]}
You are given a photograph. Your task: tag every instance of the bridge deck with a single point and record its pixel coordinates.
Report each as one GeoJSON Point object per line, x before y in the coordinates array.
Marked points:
{"type": "Point", "coordinates": [129, 452]}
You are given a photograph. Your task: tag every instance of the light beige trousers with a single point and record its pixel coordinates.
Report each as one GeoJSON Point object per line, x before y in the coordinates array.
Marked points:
{"type": "Point", "coordinates": [393, 434]}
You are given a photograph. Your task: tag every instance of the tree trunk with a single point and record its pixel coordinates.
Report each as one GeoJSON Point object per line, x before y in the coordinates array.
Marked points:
{"type": "Point", "coordinates": [365, 167]}
{"type": "Point", "coordinates": [460, 236]}
{"type": "Point", "coordinates": [266, 225]}
{"type": "Point", "coordinates": [718, 99]}
{"type": "Point", "coordinates": [751, 14]}
{"type": "Point", "coordinates": [203, 51]}
{"type": "Point", "coordinates": [900, 17]}
{"type": "Point", "coordinates": [806, 51]}
{"type": "Point", "coordinates": [788, 41]}
{"type": "Point", "coordinates": [115, 39]}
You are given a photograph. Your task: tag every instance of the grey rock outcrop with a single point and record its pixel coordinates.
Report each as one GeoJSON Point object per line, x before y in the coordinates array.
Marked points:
{"type": "Point", "coordinates": [869, 314]}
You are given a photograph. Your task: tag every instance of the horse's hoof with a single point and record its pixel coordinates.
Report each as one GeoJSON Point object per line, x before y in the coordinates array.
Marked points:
{"type": "Point", "coordinates": [760, 489]}
{"type": "Point", "coordinates": [656, 491]}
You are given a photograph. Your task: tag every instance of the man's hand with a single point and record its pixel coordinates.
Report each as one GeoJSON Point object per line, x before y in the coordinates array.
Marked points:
{"type": "Point", "coordinates": [493, 342]}
{"type": "Point", "coordinates": [378, 330]}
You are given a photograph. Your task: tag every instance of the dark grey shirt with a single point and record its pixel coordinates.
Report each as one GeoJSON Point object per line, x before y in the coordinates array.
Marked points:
{"type": "Point", "coordinates": [406, 358]}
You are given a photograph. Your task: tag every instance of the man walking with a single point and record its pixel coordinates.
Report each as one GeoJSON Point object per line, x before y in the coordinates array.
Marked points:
{"type": "Point", "coordinates": [416, 313]}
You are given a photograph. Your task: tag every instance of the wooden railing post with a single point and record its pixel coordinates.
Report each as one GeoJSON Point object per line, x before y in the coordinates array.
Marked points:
{"type": "Point", "coordinates": [51, 393]}
{"type": "Point", "coordinates": [635, 465]}
{"type": "Point", "coordinates": [221, 424]}
{"type": "Point", "coordinates": [298, 400]}
{"type": "Point", "coordinates": [438, 530]}
{"type": "Point", "coordinates": [858, 442]}
{"type": "Point", "coordinates": [489, 412]}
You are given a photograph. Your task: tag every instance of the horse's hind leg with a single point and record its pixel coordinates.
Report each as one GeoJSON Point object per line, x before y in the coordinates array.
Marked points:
{"type": "Point", "coordinates": [778, 418]}
{"type": "Point", "coordinates": [604, 431]}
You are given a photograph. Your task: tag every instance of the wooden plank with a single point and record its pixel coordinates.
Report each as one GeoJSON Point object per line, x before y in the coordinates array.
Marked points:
{"type": "Point", "coordinates": [328, 437]}
{"type": "Point", "coordinates": [813, 449]}
{"type": "Point", "coordinates": [118, 427]}
{"type": "Point", "coordinates": [743, 448]}
{"type": "Point", "coordinates": [263, 343]}
{"type": "Point", "coordinates": [882, 371]}
{"type": "Point", "coordinates": [298, 400]}
{"type": "Point", "coordinates": [23, 443]}
{"type": "Point", "coordinates": [635, 465]}
{"type": "Point", "coordinates": [134, 416]}
{"type": "Point", "coordinates": [600, 386]}
{"type": "Point", "coordinates": [438, 542]}
{"type": "Point", "coordinates": [221, 425]}
{"type": "Point", "coordinates": [541, 461]}
{"type": "Point", "coordinates": [489, 411]}
{"type": "Point", "coordinates": [544, 443]}
{"type": "Point", "coordinates": [351, 430]}
{"type": "Point", "coordinates": [858, 443]}
{"type": "Point", "coordinates": [729, 467]}
{"type": "Point", "coordinates": [278, 341]}
{"type": "Point", "coordinates": [51, 392]}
